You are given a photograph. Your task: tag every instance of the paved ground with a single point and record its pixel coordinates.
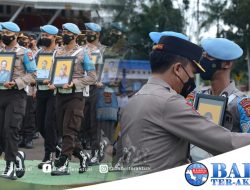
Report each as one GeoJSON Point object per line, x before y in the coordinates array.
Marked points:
{"type": "Point", "coordinates": [34, 178]}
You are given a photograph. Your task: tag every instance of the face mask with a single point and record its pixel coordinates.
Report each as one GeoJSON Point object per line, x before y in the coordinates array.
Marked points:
{"type": "Point", "coordinates": [31, 46]}
{"type": "Point", "coordinates": [46, 42]}
{"type": "Point", "coordinates": [210, 66]}
{"type": "Point", "coordinates": [91, 38]}
{"type": "Point", "coordinates": [7, 39]}
{"type": "Point", "coordinates": [67, 39]}
{"type": "Point", "coordinates": [188, 86]}
{"type": "Point", "coordinates": [21, 43]}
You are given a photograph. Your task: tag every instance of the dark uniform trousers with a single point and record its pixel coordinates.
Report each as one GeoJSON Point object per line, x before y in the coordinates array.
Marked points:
{"type": "Point", "coordinates": [29, 122]}
{"type": "Point", "coordinates": [12, 110]}
{"type": "Point", "coordinates": [91, 128]}
{"type": "Point", "coordinates": [46, 119]}
{"type": "Point", "coordinates": [69, 108]}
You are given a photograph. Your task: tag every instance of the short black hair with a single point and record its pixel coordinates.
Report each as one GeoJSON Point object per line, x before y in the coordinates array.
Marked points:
{"type": "Point", "coordinates": [161, 61]}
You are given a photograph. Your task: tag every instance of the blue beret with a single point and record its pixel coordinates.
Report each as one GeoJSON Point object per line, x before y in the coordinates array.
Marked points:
{"type": "Point", "coordinates": [72, 28]}
{"type": "Point", "coordinates": [11, 26]}
{"type": "Point", "coordinates": [155, 36]}
{"type": "Point", "coordinates": [93, 26]}
{"type": "Point", "coordinates": [118, 26]}
{"type": "Point", "coordinates": [221, 48]}
{"type": "Point", "coordinates": [50, 29]}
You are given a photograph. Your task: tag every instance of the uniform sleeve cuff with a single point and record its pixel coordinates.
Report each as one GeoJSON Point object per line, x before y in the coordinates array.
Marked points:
{"type": "Point", "coordinates": [20, 84]}
{"type": "Point", "coordinates": [78, 84]}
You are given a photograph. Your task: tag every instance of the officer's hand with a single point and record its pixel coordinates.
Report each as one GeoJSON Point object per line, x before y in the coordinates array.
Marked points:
{"type": "Point", "coordinates": [46, 82]}
{"type": "Point", "coordinates": [66, 86]}
{"type": "Point", "coordinates": [51, 86]}
{"type": "Point", "coordinates": [9, 84]}
{"type": "Point", "coordinates": [99, 84]}
{"type": "Point", "coordinates": [34, 95]}
{"type": "Point", "coordinates": [32, 83]}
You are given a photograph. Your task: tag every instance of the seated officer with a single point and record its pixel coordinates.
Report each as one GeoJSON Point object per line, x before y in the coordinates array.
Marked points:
{"type": "Point", "coordinates": [218, 57]}
{"type": "Point", "coordinates": [158, 124]}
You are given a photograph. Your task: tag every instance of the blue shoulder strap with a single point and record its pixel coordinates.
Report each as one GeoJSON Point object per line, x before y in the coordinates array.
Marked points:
{"type": "Point", "coordinates": [29, 61]}
{"type": "Point", "coordinates": [88, 65]}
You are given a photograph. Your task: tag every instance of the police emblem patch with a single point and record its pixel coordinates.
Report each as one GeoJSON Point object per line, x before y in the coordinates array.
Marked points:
{"type": "Point", "coordinates": [30, 56]}
{"type": "Point", "coordinates": [190, 98]}
{"type": "Point", "coordinates": [245, 103]}
{"type": "Point", "coordinates": [245, 127]}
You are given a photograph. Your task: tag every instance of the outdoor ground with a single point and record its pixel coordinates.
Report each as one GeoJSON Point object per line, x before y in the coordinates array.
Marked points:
{"type": "Point", "coordinates": [35, 179]}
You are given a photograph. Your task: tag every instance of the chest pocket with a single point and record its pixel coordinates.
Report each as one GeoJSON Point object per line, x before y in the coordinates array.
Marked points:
{"type": "Point", "coordinates": [228, 121]}
{"type": "Point", "coordinates": [18, 63]}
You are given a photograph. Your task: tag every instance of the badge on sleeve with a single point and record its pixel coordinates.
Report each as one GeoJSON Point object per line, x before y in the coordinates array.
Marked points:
{"type": "Point", "coordinates": [244, 112]}
{"type": "Point", "coordinates": [190, 98]}
{"type": "Point", "coordinates": [245, 103]}
{"type": "Point", "coordinates": [30, 55]}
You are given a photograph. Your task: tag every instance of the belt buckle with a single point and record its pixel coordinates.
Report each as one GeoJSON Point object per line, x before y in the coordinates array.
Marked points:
{"type": "Point", "coordinates": [65, 91]}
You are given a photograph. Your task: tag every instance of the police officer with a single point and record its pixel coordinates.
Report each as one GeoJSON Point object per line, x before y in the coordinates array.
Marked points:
{"type": "Point", "coordinates": [70, 101]}
{"type": "Point", "coordinates": [13, 100]}
{"type": "Point", "coordinates": [1, 42]}
{"type": "Point", "coordinates": [23, 40]}
{"type": "Point", "coordinates": [219, 54]}
{"type": "Point", "coordinates": [158, 124]}
{"type": "Point", "coordinates": [28, 125]}
{"type": "Point", "coordinates": [45, 114]}
{"type": "Point", "coordinates": [95, 50]}
{"type": "Point", "coordinates": [155, 37]}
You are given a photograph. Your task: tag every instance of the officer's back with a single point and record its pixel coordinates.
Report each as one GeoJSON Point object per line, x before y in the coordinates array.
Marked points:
{"type": "Point", "coordinates": [155, 144]}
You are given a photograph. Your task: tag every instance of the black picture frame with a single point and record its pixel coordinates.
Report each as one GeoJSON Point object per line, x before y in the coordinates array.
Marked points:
{"type": "Point", "coordinates": [213, 105]}
{"type": "Point", "coordinates": [56, 64]}
{"type": "Point", "coordinates": [39, 61]}
{"type": "Point", "coordinates": [10, 59]}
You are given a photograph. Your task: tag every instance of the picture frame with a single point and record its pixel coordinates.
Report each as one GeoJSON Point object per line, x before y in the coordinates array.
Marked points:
{"type": "Point", "coordinates": [7, 62]}
{"type": "Point", "coordinates": [44, 66]}
{"type": "Point", "coordinates": [95, 57]}
{"type": "Point", "coordinates": [62, 71]}
{"type": "Point", "coordinates": [213, 107]}
{"type": "Point", "coordinates": [109, 70]}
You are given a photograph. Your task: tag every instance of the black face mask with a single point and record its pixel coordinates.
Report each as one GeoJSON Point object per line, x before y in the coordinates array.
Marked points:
{"type": "Point", "coordinates": [67, 38]}
{"type": "Point", "coordinates": [210, 66]}
{"type": "Point", "coordinates": [0, 37]}
{"type": "Point", "coordinates": [8, 39]}
{"type": "Point", "coordinates": [188, 86]}
{"type": "Point", "coordinates": [21, 43]}
{"type": "Point", "coordinates": [45, 42]}
{"type": "Point", "coordinates": [91, 38]}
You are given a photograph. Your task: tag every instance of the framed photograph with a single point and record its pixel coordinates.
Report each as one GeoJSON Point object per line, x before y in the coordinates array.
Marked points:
{"type": "Point", "coordinates": [110, 70]}
{"type": "Point", "coordinates": [44, 66]}
{"type": "Point", "coordinates": [213, 107]}
{"type": "Point", "coordinates": [7, 62]}
{"type": "Point", "coordinates": [95, 57]}
{"type": "Point", "coordinates": [62, 71]}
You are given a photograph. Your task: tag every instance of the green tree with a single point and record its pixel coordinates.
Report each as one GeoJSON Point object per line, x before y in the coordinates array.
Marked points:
{"type": "Point", "coordinates": [236, 16]}
{"type": "Point", "coordinates": [142, 17]}
{"type": "Point", "coordinates": [213, 14]}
